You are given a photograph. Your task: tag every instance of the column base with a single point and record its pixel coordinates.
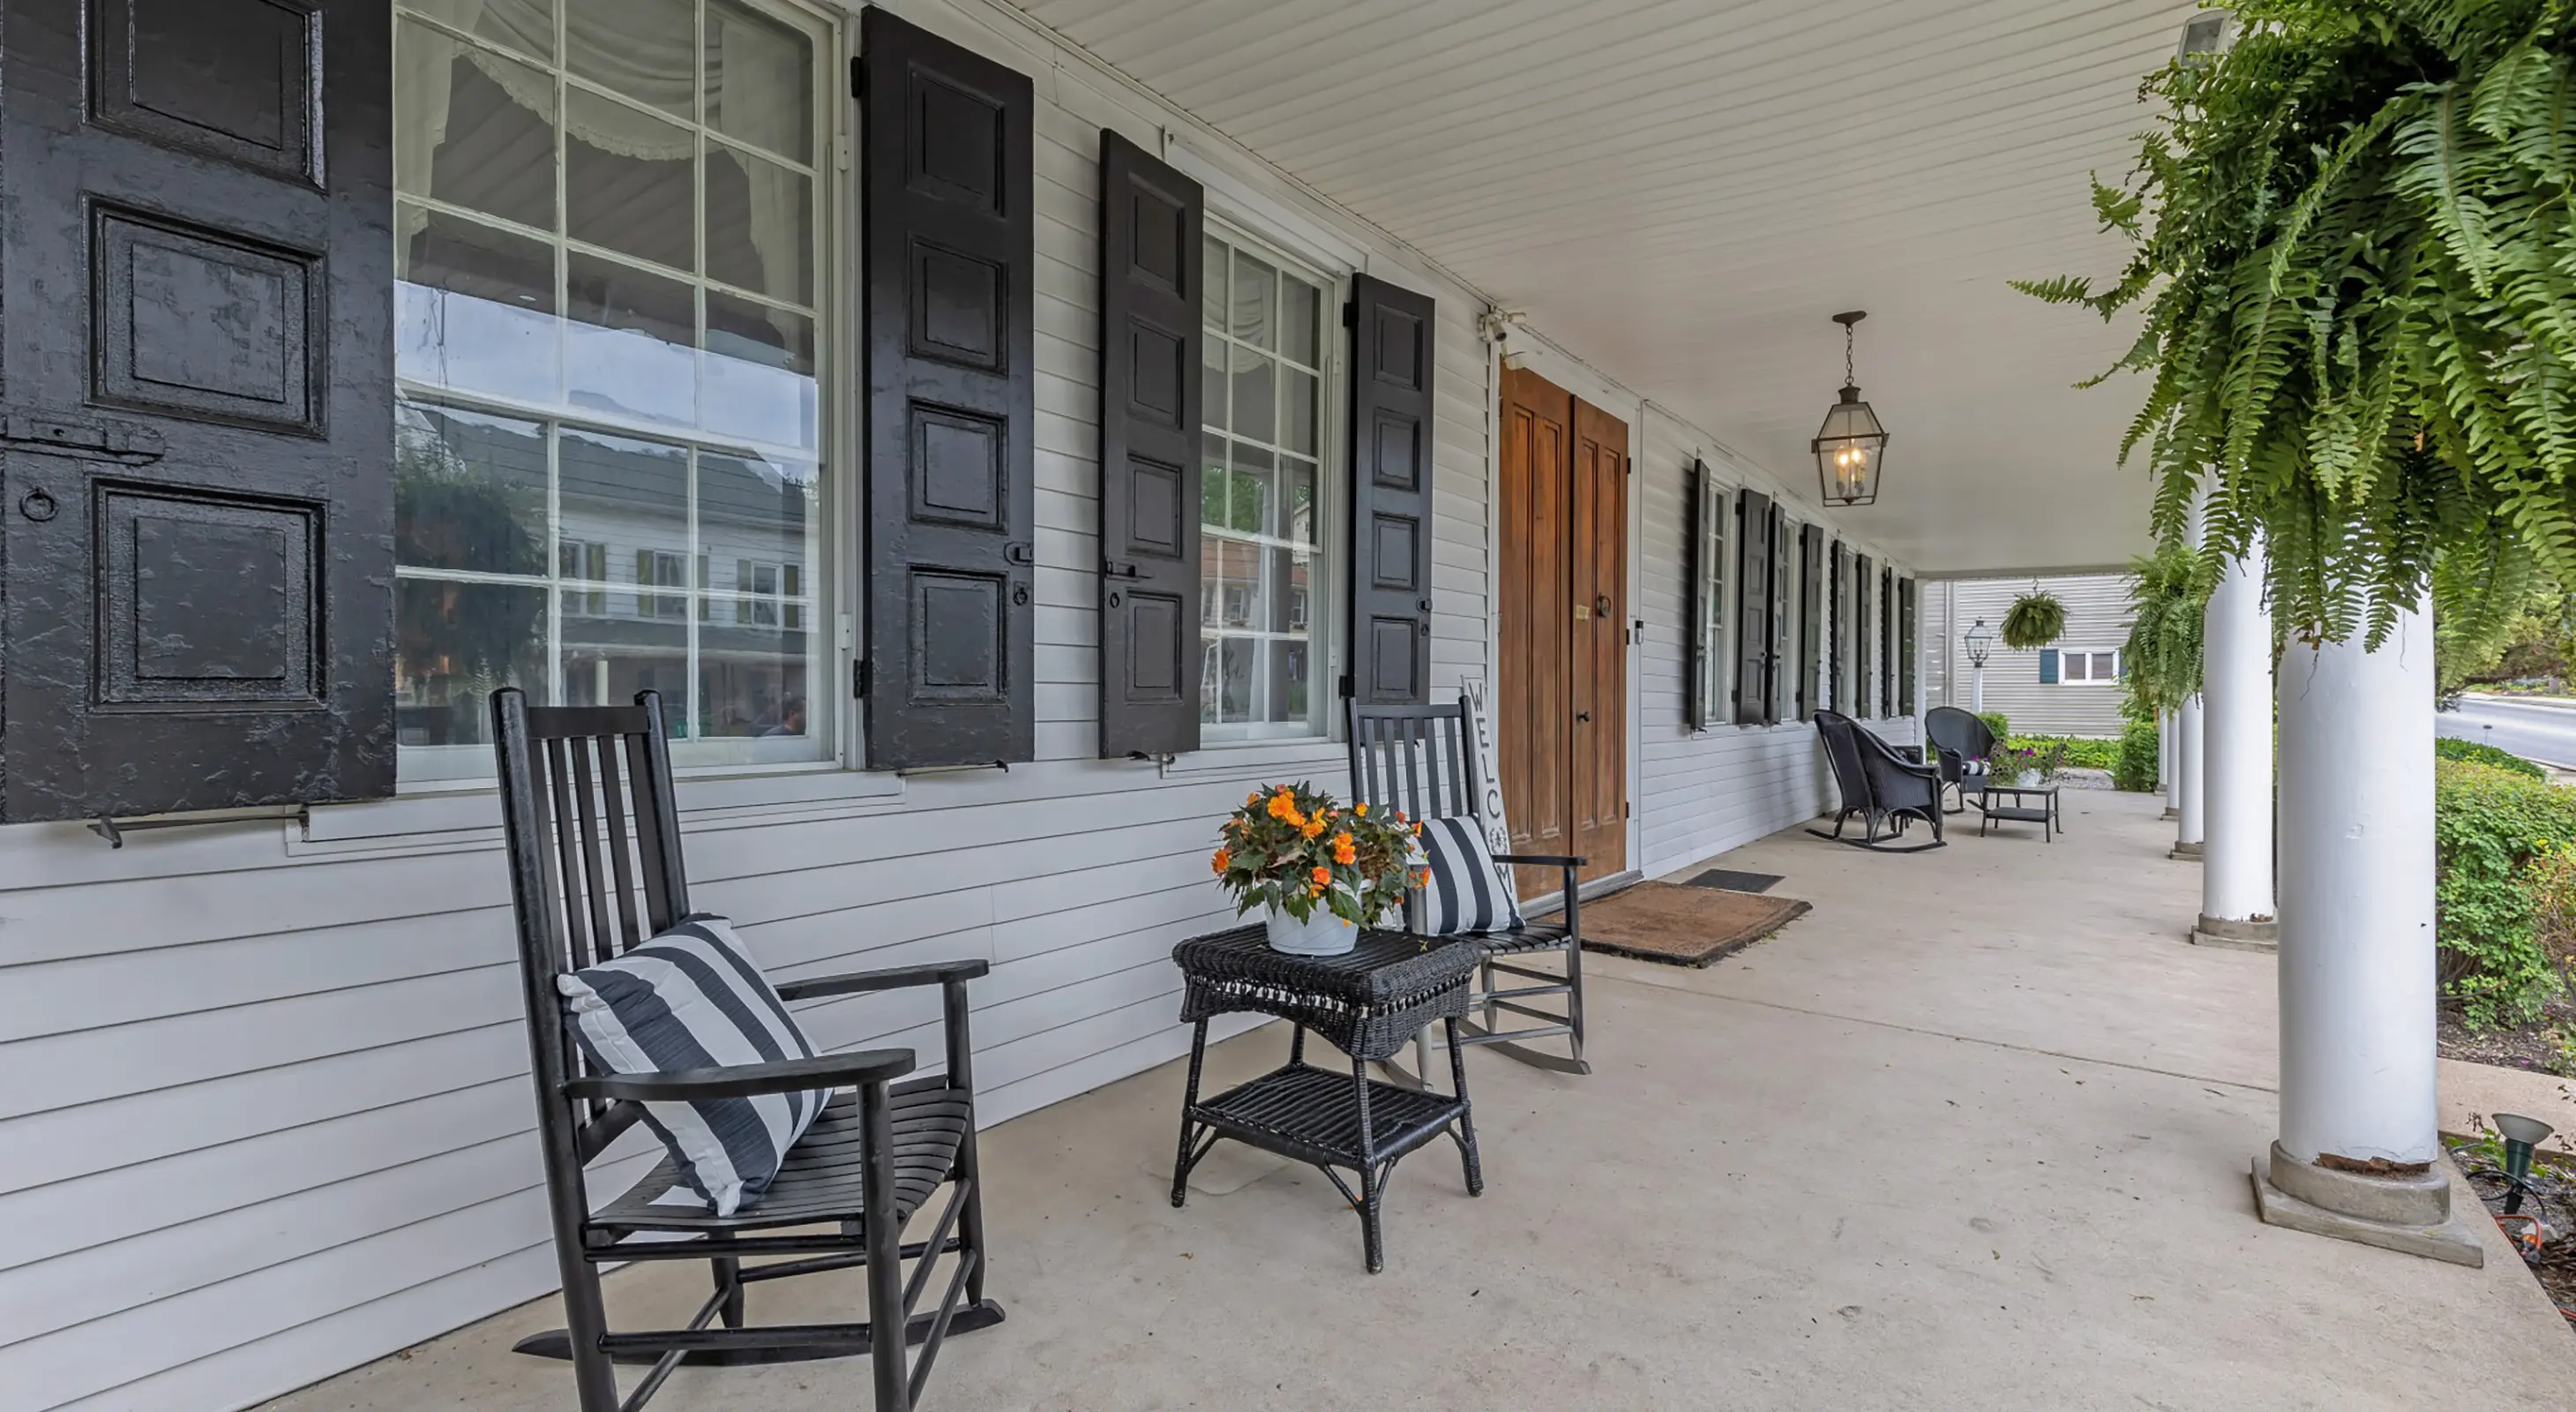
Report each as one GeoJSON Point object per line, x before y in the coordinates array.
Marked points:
{"type": "Point", "coordinates": [2411, 1214]}
{"type": "Point", "coordinates": [2236, 936]}
{"type": "Point", "coordinates": [2170, 813]}
{"type": "Point", "coordinates": [2186, 850]}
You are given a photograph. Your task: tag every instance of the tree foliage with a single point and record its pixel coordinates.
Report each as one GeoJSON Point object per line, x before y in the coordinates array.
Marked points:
{"type": "Point", "coordinates": [2168, 602]}
{"type": "Point", "coordinates": [2354, 250]}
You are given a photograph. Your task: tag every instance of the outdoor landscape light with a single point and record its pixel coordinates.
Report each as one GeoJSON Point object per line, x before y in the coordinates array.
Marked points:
{"type": "Point", "coordinates": [1981, 641]}
{"type": "Point", "coordinates": [1851, 443]}
{"type": "Point", "coordinates": [2521, 1135]}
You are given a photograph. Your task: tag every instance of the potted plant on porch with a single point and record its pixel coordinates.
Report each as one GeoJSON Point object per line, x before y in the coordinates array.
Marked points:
{"type": "Point", "coordinates": [1320, 869]}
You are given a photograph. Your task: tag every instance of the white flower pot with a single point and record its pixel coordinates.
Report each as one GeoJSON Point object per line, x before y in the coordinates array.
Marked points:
{"type": "Point", "coordinates": [1321, 934]}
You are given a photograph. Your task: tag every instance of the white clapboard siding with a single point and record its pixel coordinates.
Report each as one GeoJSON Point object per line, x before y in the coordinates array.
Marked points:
{"type": "Point", "coordinates": [2097, 620]}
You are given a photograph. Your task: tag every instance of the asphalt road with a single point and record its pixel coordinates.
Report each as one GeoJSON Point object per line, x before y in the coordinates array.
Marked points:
{"type": "Point", "coordinates": [2534, 732]}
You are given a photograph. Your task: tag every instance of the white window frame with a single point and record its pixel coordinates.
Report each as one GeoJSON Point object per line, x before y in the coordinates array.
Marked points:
{"type": "Point", "coordinates": [1328, 590]}
{"type": "Point", "coordinates": [2064, 654]}
{"type": "Point", "coordinates": [1706, 545]}
{"type": "Point", "coordinates": [832, 717]}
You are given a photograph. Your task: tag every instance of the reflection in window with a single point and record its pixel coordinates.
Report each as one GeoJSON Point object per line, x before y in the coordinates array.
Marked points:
{"type": "Point", "coordinates": [1259, 544]}
{"type": "Point", "coordinates": [609, 227]}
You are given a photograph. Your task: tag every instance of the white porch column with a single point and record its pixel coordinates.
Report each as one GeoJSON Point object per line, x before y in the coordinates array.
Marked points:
{"type": "Point", "coordinates": [2236, 904]}
{"type": "Point", "coordinates": [2357, 1144]}
{"type": "Point", "coordinates": [2189, 796]}
{"type": "Point", "coordinates": [2168, 779]}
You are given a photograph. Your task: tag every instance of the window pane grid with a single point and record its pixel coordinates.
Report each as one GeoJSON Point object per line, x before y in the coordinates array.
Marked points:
{"type": "Point", "coordinates": [1261, 544]}
{"type": "Point", "coordinates": [680, 352]}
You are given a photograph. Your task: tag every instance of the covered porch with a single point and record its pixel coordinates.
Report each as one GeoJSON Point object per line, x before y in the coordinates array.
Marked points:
{"type": "Point", "coordinates": [1971, 1134]}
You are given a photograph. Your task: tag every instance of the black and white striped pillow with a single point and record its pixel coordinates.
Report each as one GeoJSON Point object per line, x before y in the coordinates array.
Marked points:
{"type": "Point", "coordinates": [691, 998]}
{"type": "Point", "coordinates": [1465, 894]}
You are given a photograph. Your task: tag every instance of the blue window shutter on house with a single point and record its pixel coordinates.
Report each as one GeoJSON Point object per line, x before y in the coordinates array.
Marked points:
{"type": "Point", "coordinates": [2048, 666]}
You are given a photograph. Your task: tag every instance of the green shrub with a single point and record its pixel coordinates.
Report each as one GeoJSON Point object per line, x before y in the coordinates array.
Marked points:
{"type": "Point", "coordinates": [2071, 751]}
{"type": "Point", "coordinates": [2139, 751]}
{"type": "Point", "coordinates": [2488, 826]}
{"type": "Point", "coordinates": [2446, 748]}
{"type": "Point", "coordinates": [1996, 722]}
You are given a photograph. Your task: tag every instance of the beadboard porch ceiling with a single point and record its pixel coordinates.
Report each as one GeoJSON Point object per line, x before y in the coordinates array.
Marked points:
{"type": "Point", "coordinates": [1682, 192]}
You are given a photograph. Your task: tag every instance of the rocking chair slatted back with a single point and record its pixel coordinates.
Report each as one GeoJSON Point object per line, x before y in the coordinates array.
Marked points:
{"type": "Point", "coordinates": [594, 844]}
{"type": "Point", "coordinates": [1414, 758]}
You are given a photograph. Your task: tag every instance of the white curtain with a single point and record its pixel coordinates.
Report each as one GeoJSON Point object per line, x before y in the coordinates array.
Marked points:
{"type": "Point", "coordinates": [758, 77]}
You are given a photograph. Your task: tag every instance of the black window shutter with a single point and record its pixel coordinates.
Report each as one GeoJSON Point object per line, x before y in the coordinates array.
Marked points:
{"type": "Point", "coordinates": [1777, 680]}
{"type": "Point", "coordinates": [1391, 410]}
{"type": "Point", "coordinates": [1838, 595]}
{"type": "Point", "coordinates": [1150, 393]}
{"type": "Point", "coordinates": [1905, 652]}
{"type": "Point", "coordinates": [2048, 666]}
{"type": "Point", "coordinates": [1886, 642]}
{"type": "Point", "coordinates": [198, 363]}
{"type": "Point", "coordinates": [1811, 617]}
{"type": "Point", "coordinates": [950, 315]}
{"type": "Point", "coordinates": [1697, 710]}
{"type": "Point", "coordinates": [1753, 607]}
{"type": "Point", "coordinates": [1864, 610]}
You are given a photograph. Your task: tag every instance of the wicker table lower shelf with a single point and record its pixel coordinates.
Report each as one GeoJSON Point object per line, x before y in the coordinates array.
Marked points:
{"type": "Point", "coordinates": [1367, 1003]}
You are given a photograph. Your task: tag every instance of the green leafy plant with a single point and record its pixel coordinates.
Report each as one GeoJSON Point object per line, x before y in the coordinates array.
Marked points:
{"type": "Point", "coordinates": [2446, 748]}
{"type": "Point", "coordinates": [2352, 245]}
{"type": "Point", "coordinates": [2135, 770]}
{"type": "Point", "coordinates": [2074, 751]}
{"type": "Point", "coordinates": [2035, 619]}
{"type": "Point", "coordinates": [2488, 827]}
{"type": "Point", "coordinates": [1997, 722]}
{"type": "Point", "coordinates": [2168, 603]}
{"type": "Point", "coordinates": [1296, 848]}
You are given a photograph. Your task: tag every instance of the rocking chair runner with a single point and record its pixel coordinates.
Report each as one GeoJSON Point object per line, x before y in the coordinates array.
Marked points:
{"type": "Point", "coordinates": [1418, 759]}
{"type": "Point", "coordinates": [1884, 788]}
{"type": "Point", "coordinates": [574, 782]}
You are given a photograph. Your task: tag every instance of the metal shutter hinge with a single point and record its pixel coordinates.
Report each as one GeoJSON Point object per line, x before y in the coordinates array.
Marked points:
{"type": "Point", "coordinates": [128, 442]}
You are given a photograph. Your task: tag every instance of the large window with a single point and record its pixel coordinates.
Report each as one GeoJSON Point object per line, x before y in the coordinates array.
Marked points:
{"type": "Point", "coordinates": [2089, 668]}
{"type": "Point", "coordinates": [1263, 562]}
{"type": "Point", "coordinates": [611, 251]}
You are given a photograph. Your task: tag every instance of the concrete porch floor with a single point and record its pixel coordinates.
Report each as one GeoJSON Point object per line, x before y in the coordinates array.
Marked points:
{"type": "Point", "coordinates": [1972, 1134]}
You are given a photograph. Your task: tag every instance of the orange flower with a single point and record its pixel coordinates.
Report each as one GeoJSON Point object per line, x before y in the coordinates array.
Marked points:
{"type": "Point", "coordinates": [1284, 808]}
{"type": "Point", "coordinates": [1312, 826]}
{"type": "Point", "coordinates": [1221, 861]}
{"type": "Point", "coordinates": [1360, 809]}
{"type": "Point", "coordinates": [1322, 876]}
{"type": "Point", "coordinates": [1343, 849]}
{"type": "Point", "coordinates": [1422, 877]}
{"type": "Point", "coordinates": [1417, 828]}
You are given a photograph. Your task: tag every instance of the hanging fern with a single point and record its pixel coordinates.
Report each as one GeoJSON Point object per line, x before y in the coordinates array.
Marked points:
{"type": "Point", "coordinates": [2357, 264]}
{"type": "Point", "coordinates": [2035, 619]}
{"type": "Point", "coordinates": [2167, 614]}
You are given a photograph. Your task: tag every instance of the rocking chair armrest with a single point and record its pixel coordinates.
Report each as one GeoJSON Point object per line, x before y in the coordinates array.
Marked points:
{"type": "Point", "coordinates": [1543, 860]}
{"type": "Point", "coordinates": [861, 1066]}
{"type": "Point", "coordinates": [891, 978]}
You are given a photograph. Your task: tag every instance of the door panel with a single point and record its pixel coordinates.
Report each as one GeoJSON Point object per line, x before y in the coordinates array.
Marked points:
{"type": "Point", "coordinates": [1599, 644]}
{"type": "Point", "coordinates": [1535, 706]}
{"type": "Point", "coordinates": [199, 439]}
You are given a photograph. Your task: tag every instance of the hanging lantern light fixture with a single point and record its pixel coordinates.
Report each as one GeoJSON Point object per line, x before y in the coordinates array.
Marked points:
{"type": "Point", "coordinates": [1851, 443]}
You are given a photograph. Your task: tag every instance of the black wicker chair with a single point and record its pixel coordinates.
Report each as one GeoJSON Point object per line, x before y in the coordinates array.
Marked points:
{"type": "Point", "coordinates": [1963, 744]}
{"type": "Point", "coordinates": [1887, 790]}
{"type": "Point", "coordinates": [1419, 759]}
{"type": "Point", "coordinates": [592, 829]}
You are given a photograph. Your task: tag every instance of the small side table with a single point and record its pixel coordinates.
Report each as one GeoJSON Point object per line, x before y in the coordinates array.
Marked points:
{"type": "Point", "coordinates": [1367, 1004]}
{"type": "Point", "coordinates": [2020, 810]}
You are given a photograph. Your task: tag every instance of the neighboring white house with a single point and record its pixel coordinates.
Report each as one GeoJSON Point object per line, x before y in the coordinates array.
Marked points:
{"type": "Point", "coordinates": [2070, 688]}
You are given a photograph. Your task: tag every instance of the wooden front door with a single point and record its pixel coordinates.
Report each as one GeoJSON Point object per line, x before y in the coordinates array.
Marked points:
{"type": "Point", "coordinates": [1561, 705]}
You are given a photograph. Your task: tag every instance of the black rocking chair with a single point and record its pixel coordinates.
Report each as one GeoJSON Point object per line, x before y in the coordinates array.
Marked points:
{"type": "Point", "coordinates": [1964, 745]}
{"type": "Point", "coordinates": [1419, 759]}
{"type": "Point", "coordinates": [592, 828]}
{"type": "Point", "coordinates": [1884, 788]}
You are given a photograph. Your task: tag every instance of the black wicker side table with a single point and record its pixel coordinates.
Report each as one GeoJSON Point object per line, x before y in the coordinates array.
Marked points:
{"type": "Point", "coordinates": [1367, 1004]}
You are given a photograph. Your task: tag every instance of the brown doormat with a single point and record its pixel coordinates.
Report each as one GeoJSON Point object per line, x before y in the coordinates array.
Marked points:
{"type": "Point", "coordinates": [1683, 926]}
